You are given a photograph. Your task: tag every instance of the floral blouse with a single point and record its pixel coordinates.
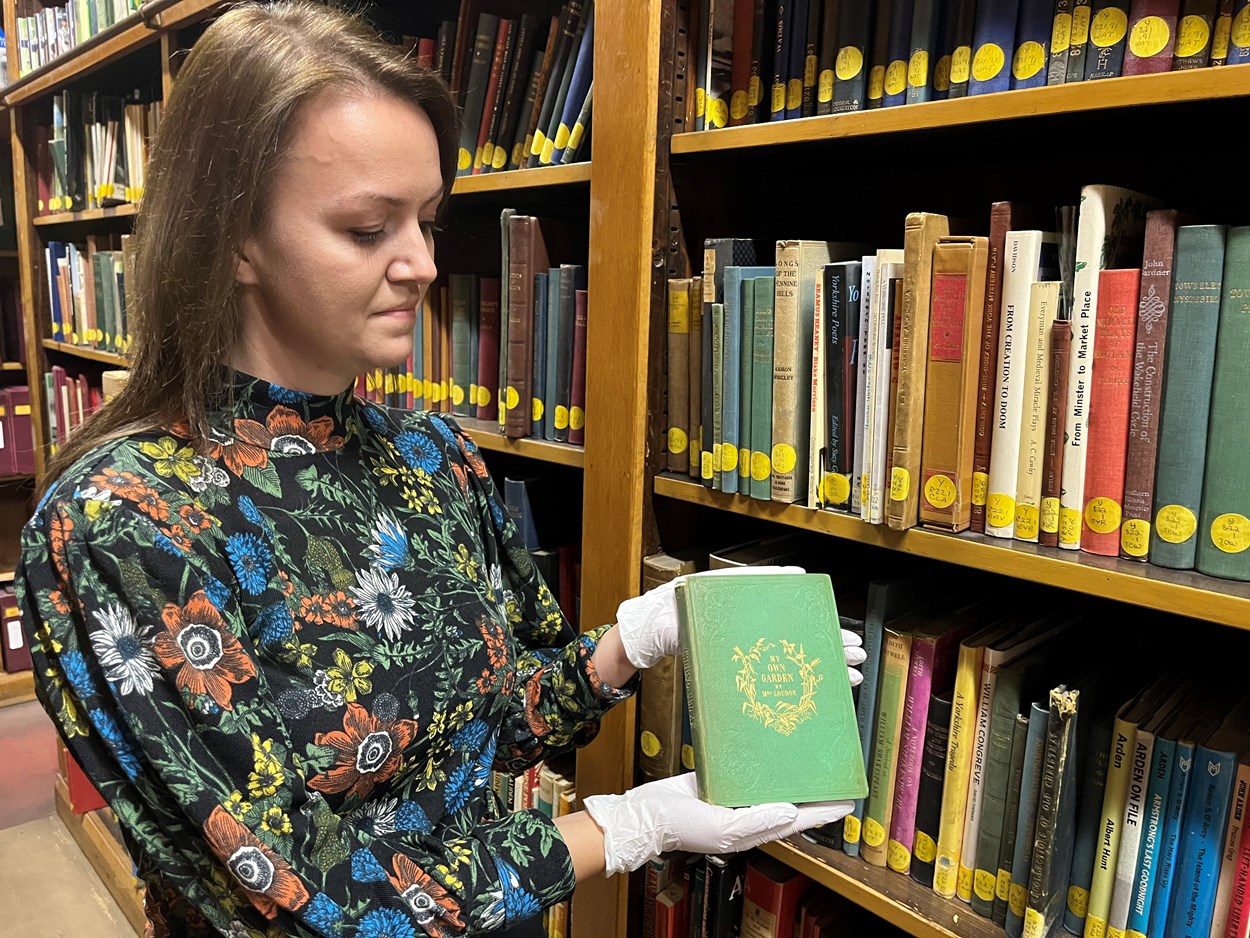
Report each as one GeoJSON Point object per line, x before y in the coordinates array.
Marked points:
{"type": "Point", "coordinates": [290, 663]}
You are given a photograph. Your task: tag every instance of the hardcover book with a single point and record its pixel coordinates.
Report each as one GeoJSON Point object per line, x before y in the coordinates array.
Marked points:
{"type": "Point", "coordinates": [771, 712]}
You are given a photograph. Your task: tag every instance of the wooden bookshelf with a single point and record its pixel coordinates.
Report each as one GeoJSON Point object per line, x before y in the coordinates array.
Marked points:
{"type": "Point", "coordinates": [12, 366]}
{"type": "Point", "coordinates": [1182, 592]}
{"type": "Point", "coordinates": [82, 351]}
{"type": "Point", "coordinates": [1167, 89]}
{"type": "Point", "coordinates": [512, 180]}
{"type": "Point", "coordinates": [897, 899]}
{"type": "Point", "coordinates": [86, 215]}
{"type": "Point", "coordinates": [486, 435]}
{"type": "Point", "coordinates": [17, 687]}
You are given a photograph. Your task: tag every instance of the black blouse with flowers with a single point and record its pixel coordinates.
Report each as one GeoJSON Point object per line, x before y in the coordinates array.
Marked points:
{"type": "Point", "coordinates": [291, 662]}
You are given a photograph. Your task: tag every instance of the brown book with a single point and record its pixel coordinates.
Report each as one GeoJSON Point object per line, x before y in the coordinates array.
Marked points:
{"type": "Point", "coordinates": [528, 33]}
{"type": "Point", "coordinates": [500, 58]}
{"type": "Point", "coordinates": [1153, 306]}
{"type": "Point", "coordinates": [1004, 216]}
{"type": "Point", "coordinates": [678, 373]}
{"type": "Point", "coordinates": [535, 85]}
{"type": "Point", "coordinates": [1056, 404]}
{"type": "Point", "coordinates": [487, 348]}
{"type": "Point", "coordinates": [922, 232]}
{"type": "Point", "coordinates": [695, 443]}
{"type": "Point", "coordinates": [577, 396]}
{"type": "Point", "coordinates": [465, 23]}
{"type": "Point", "coordinates": [950, 388]}
{"type": "Point", "coordinates": [553, 61]}
{"type": "Point", "coordinates": [527, 255]}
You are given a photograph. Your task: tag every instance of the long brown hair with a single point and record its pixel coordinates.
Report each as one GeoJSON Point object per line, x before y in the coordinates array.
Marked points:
{"type": "Point", "coordinates": [210, 171]}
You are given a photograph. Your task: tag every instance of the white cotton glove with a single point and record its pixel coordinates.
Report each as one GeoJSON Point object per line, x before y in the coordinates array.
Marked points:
{"type": "Point", "coordinates": [667, 815]}
{"type": "Point", "coordinates": [648, 623]}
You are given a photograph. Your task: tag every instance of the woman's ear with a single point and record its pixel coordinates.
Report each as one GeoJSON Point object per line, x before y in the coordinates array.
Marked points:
{"type": "Point", "coordinates": [245, 272]}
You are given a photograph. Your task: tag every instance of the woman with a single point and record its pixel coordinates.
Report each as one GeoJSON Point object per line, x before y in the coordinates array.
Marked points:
{"type": "Point", "coordinates": [289, 633]}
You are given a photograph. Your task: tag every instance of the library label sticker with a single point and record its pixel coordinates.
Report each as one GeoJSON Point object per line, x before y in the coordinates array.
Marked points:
{"type": "Point", "coordinates": [536, 408]}
{"type": "Point", "coordinates": [676, 439]}
{"type": "Point", "coordinates": [784, 458]}
{"type": "Point", "coordinates": [1231, 533]}
{"type": "Point", "coordinates": [577, 420]}
{"type": "Point", "coordinates": [728, 457]}
{"type": "Point", "coordinates": [850, 62]}
{"type": "Point", "coordinates": [1175, 524]}
{"type": "Point", "coordinates": [1049, 519]}
{"type": "Point", "coordinates": [1069, 526]}
{"type": "Point", "coordinates": [1149, 37]}
{"type": "Point", "coordinates": [562, 417]}
{"type": "Point", "coordinates": [980, 487]}
{"type": "Point", "coordinates": [1135, 537]}
{"type": "Point", "coordinates": [961, 64]}
{"type": "Point", "coordinates": [939, 491]}
{"type": "Point", "coordinates": [926, 849]}
{"type": "Point", "coordinates": [1192, 36]}
{"type": "Point", "coordinates": [1102, 514]}
{"type": "Point", "coordinates": [835, 488]}
{"type": "Point", "coordinates": [1027, 517]}
{"type": "Point", "coordinates": [1061, 33]}
{"type": "Point", "coordinates": [1000, 510]}
{"type": "Point", "coordinates": [900, 484]}
{"type": "Point", "coordinates": [988, 62]}
{"type": "Point", "coordinates": [1108, 27]}
{"type": "Point", "coordinates": [874, 833]}
{"type": "Point", "coordinates": [650, 744]}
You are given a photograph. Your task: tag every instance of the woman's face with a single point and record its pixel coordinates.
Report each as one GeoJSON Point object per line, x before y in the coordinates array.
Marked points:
{"type": "Point", "coordinates": [330, 288]}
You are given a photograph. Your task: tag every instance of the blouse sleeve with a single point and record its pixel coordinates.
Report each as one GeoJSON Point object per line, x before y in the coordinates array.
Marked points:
{"type": "Point", "coordinates": [153, 680]}
{"type": "Point", "coordinates": [558, 699]}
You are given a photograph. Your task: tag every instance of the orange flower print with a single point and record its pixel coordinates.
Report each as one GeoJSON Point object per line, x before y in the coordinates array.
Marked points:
{"type": "Point", "coordinates": [196, 518]}
{"type": "Point", "coordinates": [497, 652]}
{"type": "Point", "coordinates": [59, 602]}
{"type": "Point", "coordinates": [474, 459]}
{"type": "Point", "coordinates": [313, 609]}
{"type": "Point", "coordinates": [58, 535]}
{"type": "Point", "coordinates": [208, 656]}
{"type": "Point", "coordinates": [178, 536]}
{"type": "Point", "coordinates": [123, 484]}
{"type": "Point", "coordinates": [458, 471]}
{"type": "Point", "coordinates": [285, 431]}
{"type": "Point", "coordinates": [151, 504]}
{"type": "Point", "coordinates": [337, 609]}
{"type": "Point", "coordinates": [434, 909]}
{"type": "Point", "coordinates": [533, 696]}
{"type": "Point", "coordinates": [369, 751]}
{"type": "Point", "coordinates": [268, 878]}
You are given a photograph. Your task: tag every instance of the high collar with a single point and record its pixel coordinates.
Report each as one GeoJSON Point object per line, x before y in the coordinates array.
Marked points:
{"type": "Point", "coordinates": [278, 419]}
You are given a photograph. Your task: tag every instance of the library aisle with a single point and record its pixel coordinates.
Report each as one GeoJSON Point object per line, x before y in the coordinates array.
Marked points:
{"type": "Point", "coordinates": [48, 887]}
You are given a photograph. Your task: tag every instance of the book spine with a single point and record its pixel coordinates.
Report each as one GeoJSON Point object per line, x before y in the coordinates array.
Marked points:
{"type": "Point", "coordinates": [898, 48]}
{"type": "Point", "coordinates": [1026, 821]}
{"type": "Point", "coordinates": [522, 233]}
{"type": "Point", "coordinates": [1030, 60]}
{"type": "Point", "coordinates": [762, 389]}
{"type": "Point", "coordinates": [852, 62]}
{"type": "Point", "coordinates": [1169, 848]}
{"type": "Point", "coordinates": [1228, 861]}
{"type": "Point", "coordinates": [1222, 32]}
{"type": "Point", "coordinates": [796, 67]}
{"type": "Point", "coordinates": [718, 390]}
{"type": "Point", "coordinates": [999, 744]}
{"type": "Point", "coordinates": [720, 39]}
{"type": "Point", "coordinates": [868, 265]}
{"type": "Point", "coordinates": [505, 42]}
{"type": "Point", "coordinates": [546, 290]}
{"type": "Point", "coordinates": [946, 871]}
{"type": "Point", "coordinates": [475, 91]}
{"type": "Point", "coordinates": [811, 61]}
{"type": "Point", "coordinates": [1161, 766]}
{"type": "Point", "coordinates": [746, 370]}
{"type": "Point", "coordinates": [828, 48]}
{"type": "Point", "coordinates": [987, 375]}
{"type": "Point", "coordinates": [1224, 522]}
{"type": "Point", "coordinates": [740, 62]}
{"type": "Point", "coordinates": [575, 96]}
{"type": "Point", "coordinates": [1114, 799]}
{"type": "Point", "coordinates": [572, 278]}
{"type": "Point", "coordinates": [1193, 321]}
{"type": "Point", "coordinates": [1194, 28]}
{"type": "Point", "coordinates": [577, 406]}
{"type": "Point", "coordinates": [1060, 43]}
{"type": "Point", "coordinates": [678, 373]}
{"type": "Point", "coordinates": [1011, 815]}
{"type": "Point", "coordinates": [461, 287]}
{"type": "Point", "coordinates": [866, 705]}
{"type": "Point", "coordinates": [911, 750]}
{"type": "Point", "coordinates": [1108, 39]}
{"type": "Point", "coordinates": [731, 372]}
{"type": "Point", "coordinates": [711, 267]}
{"type": "Point", "coordinates": [926, 16]}
{"type": "Point", "coordinates": [1078, 47]}
{"type": "Point", "coordinates": [841, 290]}
{"type": "Point", "coordinates": [878, 52]}
{"type": "Point", "coordinates": [929, 793]}
{"type": "Point", "coordinates": [817, 451]}
{"type": "Point", "coordinates": [1151, 37]}
{"type": "Point", "coordinates": [488, 348]}
{"type": "Point", "coordinates": [1043, 306]}
{"type": "Point", "coordinates": [1130, 837]}
{"type": "Point", "coordinates": [788, 349]}
{"type": "Point", "coordinates": [993, 43]}
{"type": "Point", "coordinates": [779, 31]}
{"type": "Point", "coordinates": [1111, 400]}
{"type": "Point", "coordinates": [694, 422]}
{"type": "Point", "coordinates": [1057, 396]}
{"type": "Point", "coordinates": [1237, 924]}
{"type": "Point", "coordinates": [895, 661]}
{"type": "Point", "coordinates": [758, 88]}
{"type": "Point", "coordinates": [1093, 789]}
{"type": "Point", "coordinates": [978, 764]}
{"type": "Point", "coordinates": [954, 67]}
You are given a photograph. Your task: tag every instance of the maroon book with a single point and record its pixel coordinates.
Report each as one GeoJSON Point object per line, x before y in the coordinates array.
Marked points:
{"type": "Point", "coordinates": [16, 650]}
{"type": "Point", "coordinates": [1056, 408]}
{"type": "Point", "coordinates": [18, 398]}
{"type": "Point", "coordinates": [1151, 37]}
{"type": "Point", "coordinates": [577, 398]}
{"type": "Point", "coordinates": [498, 67]}
{"type": "Point", "coordinates": [487, 348]}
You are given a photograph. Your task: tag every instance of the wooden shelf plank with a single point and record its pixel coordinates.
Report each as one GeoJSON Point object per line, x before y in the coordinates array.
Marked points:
{"type": "Point", "coordinates": [12, 366]}
{"type": "Point", "coordinates": [82, 351]}
{"type": "Point", "coordinates": [563, 175]}
{"type": "Point", "coordinates": [91, 214]}
{"type": "Point", "coordinates": [1165, 88]}
{"type": "Point", "coordinates": [486, 435]}
{"type": "Point", "coordinates": [1183, 592]}
{"type": "Point", "coordinates": [898, 899]}
{"type": "Point", "coordinates": [107, 856]}
{"type": "Point", "coordinates": [17, 687]}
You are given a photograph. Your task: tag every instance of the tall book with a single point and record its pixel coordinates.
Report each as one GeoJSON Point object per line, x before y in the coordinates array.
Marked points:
{"type": "Point", "coordinates": [762, 388]}
{"type": "Point", "coordinates": [1108, 39]}
{"type": "Point", "coordinates": [841, 334]}
{"type": "Point", "coordinates": [929, 793]}
{"type": "Point", "coordinates": [572, 278]}
{"type": "Point", "coordinates": [718, 254]}
{"type": "Point", "coordinates": [921, 233]}
{"type": "Point", "coordinates": [678, 373]}
{"type": "Point", "coordinates": [851, 64]}
{"type": "Point", "coordinates": [1184, 409]}
{"type": "Point", "coordinates": [527, 257]}
{"type": "Point", "coordinates": [887, 735]}
{"type": "Point", "coordinates": [505, 298]}
{"type": "Point", "coordinates": [1151, 37]}
{"type": "Point", "coordinates": [1111, 388]}
{"type": "Point", "coordinates": [1194, 30]}
{"type": "Point", "coordinates": [763, 663]}
{"type": "Point", "coordinates": [1093, 788]}
{"type": "Point", "coordinates": [1011, 816]}
{"type": "Point", "coordinates": [1026, 819]}
{"type": "Point", "coordinates": [993, 42]}
{"type": "Point", "coordinates": [1030, 58]}
{"type": "Point", "coordinates": [733, 351]}
{"type": "Point", "coordinates": [1060, 43]}
{"type": "Point", "coordinates": [1224, 522]}
{"type": "Point", "coordinates": [1110, 225]}
{"type": "Point", "coordinates": [489, 290]}
{"type": "Point", "coordinates": [1149, 355]}
{"type": "Point", "coordinates": [1035, 361]}
{"type": "Point", "coordinates": [954, 67]}
{"type": "Point", "coordinates": [484, 39]}
{"type": "Point", "coordinates": [577, 409]}
{"type": "Point", "coordinates": [868, 266]}
{"type": "Point", "coordinates": [950, 395]}
{"type": "Point", "coordinates": [694, 422]}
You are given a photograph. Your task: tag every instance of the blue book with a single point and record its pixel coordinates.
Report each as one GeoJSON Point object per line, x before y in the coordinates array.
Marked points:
{"type": "Point", "coordinates": [1026, 819]}
{"type": "Point", "coordinates": [731, 374]}
{"type": "Point", "coordinates": [538, 376]}
{"type": "Point", "coordinates": [762, 390]}
{"type": "Point", "coordinates": [1084, 849]}
{"type": "Point", "coordinates": [578, 85]}
{"type": "Point", "coordinates": [993, 42]}
{"type": "Point", "coordinates": [551, 356]}
{"type": "Point", "coordinates": [797, 53]}
{"type": "Point", "coordinates": [745, 375]}
{"type": "Point", "coordinates": [460, 293]}
{"type": "Point", "coordinates": [1174, 808]}
{"type": "Point", "coordinates": [1030, 60]}
{"type": "Point", "coordinates": [898, 52]}
{"type": "Point", "coordinates": [925, 23]}
{"type": "Point", "coordinates": [1204, 824]}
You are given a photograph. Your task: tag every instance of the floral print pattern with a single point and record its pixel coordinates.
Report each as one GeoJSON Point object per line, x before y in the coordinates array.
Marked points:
{"type": "Point", "coordinates": [290, 661]}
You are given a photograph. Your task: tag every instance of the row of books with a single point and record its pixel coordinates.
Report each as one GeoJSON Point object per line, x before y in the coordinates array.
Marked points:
{"type": "Point", "coordinates": [751, 894]}
{"type": "Point", "coordinates": [959, 382]}
{"type": "Point", "coordinates": [87, 292]}
{"type": "Point", "coordinates": [12, 323]}
{"type": "Point", "coordinates": [71, 397]}
{"type": "Point", "coordinates": [14, 650]}
{"type": "Point", "coordinates": [94, 153]}
{"type": "Point", "coordinates": [548, 518]}
{"type": "Point", "coordinates": [526, 91]}
{"type": "Point", "coordinates": [46, 32]}
{"type": "Point", "coordinates": [757, 61]}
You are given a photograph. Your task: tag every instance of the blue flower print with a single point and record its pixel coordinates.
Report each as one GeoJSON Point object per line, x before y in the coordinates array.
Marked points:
{"type": "Point", "coordinates": [444, 430]}
{"type": "Point", "coordinates": [286, 395]}
{"type": "Point", "coordinates": [376, 419]}
{"type": "Point", "coordinates": [250, 511]}
{"type": "Point", "coordinates": [77, 674]}
{"type": "Point", "coordinates": [250, 558]}
{"type": "Point", "coordinates": [366, 868]}
{"type": "Point", "coordinates": [218, 593]}
{"type": "Point", "coordinates": [459, 787]}
{"type": "Point", "coordinates": [385, 923]}
{"type": "Point", "coordinates": [390, 543]}
{"type": "Point", "coordinates": [274, 625]}
{"type": "Point", "coordinates": [324, 914]}
{"type": "Point", "coordinates": [469, 738]}
{"type": "Point", "coordinates": [412, 817]}
{"type": "Point", "coordinates": [496, 512]}
{"type": "Point", "coordinates": [419, 451]}
{"type": "Point", "coordinates": [111, 733]}
{"type": "Point", "coordinates": [518, 902]}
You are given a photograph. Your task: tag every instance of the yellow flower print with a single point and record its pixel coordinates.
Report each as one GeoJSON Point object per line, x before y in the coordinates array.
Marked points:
{"type": "Point", "coordinates": [550, 626]}
{"type": "Point", "coordinates": [545, 599]}
{"type": "Point", "coordinates": [268, 774]}
{"type": "Point", "coordinates": [513, 609]}
{"type": "Point", "coordinates": [46, 639]}
{"type": "Point", "coordinates": [304, 656]}
{"type": "Point", "coordinates": [275, 821]}
{"type": "Point", "coordinates": [460, 854]}
{"type": "Point", "coordinates": [448, 877]}
{"type": "Point", "coordinates": [170, 459]}
{"type": "Point", "coordinates": [237, 806]}
{"type": "Point", "coordinates": [466, 563]}
{"type": "Point", "coordinates": [347, 678]}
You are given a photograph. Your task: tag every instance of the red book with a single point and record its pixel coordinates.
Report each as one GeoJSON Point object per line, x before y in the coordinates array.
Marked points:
{"type": "Point", "coordinates": [672, 908]}
{"type": "Point", "coordinates": [498, 63]}
{"type": "Point", "coordinates": [1110, 399]}
{"type": "Point", "coordinates": [1151, 37]}
{"type": "Point", "coordinates": [23, 429]}
{"type": "Point", "coordinates": [771, 898]}
{"type": "Point", "coordinates": [577, 395]}
{"type": "Point", "coordinates": [1238, 923]}
{"type": "Point", "coordinates": [16, 653]}
{"type": "Point", "coordinates": [740, 70]}
{"type": "Point", "coordinates": [487, 348]}
{"type": "Point", "coordinates": [8, 464]}
{"type": "Point", "coordinates": [83, 796]}
{"type": "Point", "coordinates": [425, 53]}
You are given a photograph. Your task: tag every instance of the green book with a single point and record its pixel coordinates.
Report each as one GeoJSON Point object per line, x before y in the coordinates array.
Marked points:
{"type": "Point", "coordinates": [771, 713]}
{"type": "Point", "coordinates": [762, 388]}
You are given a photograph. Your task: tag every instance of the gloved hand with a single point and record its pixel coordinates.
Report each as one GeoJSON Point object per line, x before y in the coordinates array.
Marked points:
{"type": "Point", "coordinates": [648, 623]}
{"type": "Point", "coordinates": [667, 815]}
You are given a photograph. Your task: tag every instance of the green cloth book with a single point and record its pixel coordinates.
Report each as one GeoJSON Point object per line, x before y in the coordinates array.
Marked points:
{"type": "Point", "coordinates": [771, 713]}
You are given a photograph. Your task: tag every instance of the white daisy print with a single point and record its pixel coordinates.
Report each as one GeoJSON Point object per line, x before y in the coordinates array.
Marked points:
{"type": "Point", "coordinates": [125, 650]}
{"type": "Point", "coordinates": [383, 603]}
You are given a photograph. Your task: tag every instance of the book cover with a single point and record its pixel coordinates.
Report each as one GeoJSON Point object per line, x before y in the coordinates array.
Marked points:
{"type": "Point", "coordinates": [868, 267]}
{"type": "Point", "coordinates": [929, 793]}
{"type": "Point", "coordinates": [678, 373]}
{"type": "Point", "coordinates": [993, 42]}
{"type": "Point", "coordinates": [887, 737]}
{"type": "Point", "coordinates": [1030, 59]}
{"type": "Point", "coordinates": [762, 388]}
{"type": "Point", "coordinates": [1060, 43]}
{"type": "Point", "coordinates": [851, 65]}
{"type": "Point", "coordinates": [1011, 815]}
{"type": "Point", "coordinates": [718, 254]}
{"type": "Point", "coordinates": [1093, 787]}
{"type": "Point", "coordinates": [925, 23]}
{"type": "Point", "coordinates": [770, 897]}
{"type": "Point", "coordinates": [1035, 362]}
{"type": "Point", "coordinates": [695, 422]}
{"type": "Point", "coordinates": [733, 350]}
{"type": "Point", "coordinates": [477, 79]}
{"type": "Point", "coordinates": [546, 295]}
{"type": "Point", "coordinates": [1052, 459]}
{"type": "Point", "coordinates": [577, 408]}
{"type": "Point", "coordinates": [1026, 820]}
{"type": "Point", "coordinates": [771, 713]}
{"type": "Point", "coordinates": [1184, 409]}
{"type": "Point", "coordinates": [1108, 39]}
{"type": "Point", "coordinates": [842, 308]}
{"type": "Point", "coordinates": [1195, 27]}
{"type": "Point", "coordinates": [1224, 522]}
{"type": "Point", "coordinates": [1151, 37]}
